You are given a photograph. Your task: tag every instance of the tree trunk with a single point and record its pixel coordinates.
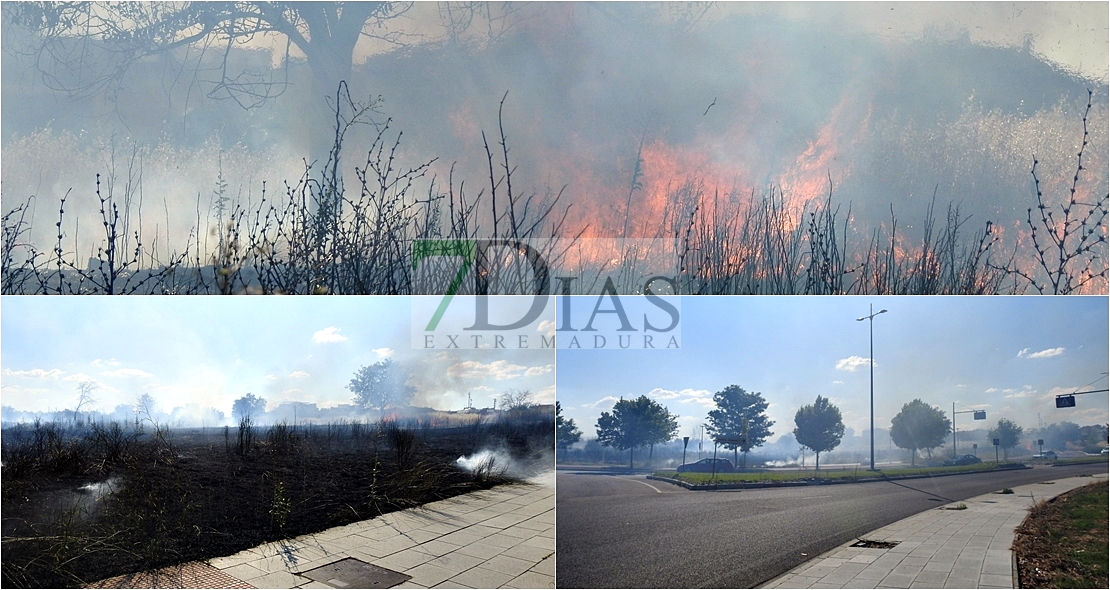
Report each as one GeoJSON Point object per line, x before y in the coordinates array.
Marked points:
{"type": "Point", "coordinates": [334, 30]}
{"type": "Point", "coordinates": [818, 464]}
{"type": "Point", "coordinates": [630, 458]}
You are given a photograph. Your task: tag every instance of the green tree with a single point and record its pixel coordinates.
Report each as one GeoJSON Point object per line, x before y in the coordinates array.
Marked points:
{"type": "Point", "coordinates": [636, 423]}
{"type": "Point", "coordinates": [739, 415]}
{"type": "Point", "coordinates": [919, 426]}
{"type": "Point", "coordinates": [566, 432]}
{"type": "Point", "coordinates": [380, 385]}
{"type": "Point", "coordinates": [1007, 433]}
{"type": "Point", "coordinates": [819, 426]}
{"type": "Point", "coordinates": [247, 406]}
{"type": "Point", "coordinates": [1058, 435]}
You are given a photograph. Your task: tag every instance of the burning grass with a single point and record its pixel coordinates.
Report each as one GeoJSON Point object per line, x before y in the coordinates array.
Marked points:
{"type": "Point", "coordinates": [1063, 541]}
{"type": "Point", "coordinates": [328, 234]}
{"type": "Point", "coordinates": [78, 508]}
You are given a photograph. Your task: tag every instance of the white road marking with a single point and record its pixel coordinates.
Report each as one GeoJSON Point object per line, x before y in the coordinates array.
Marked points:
{"type": "Point", "coordinates": [657, 490]}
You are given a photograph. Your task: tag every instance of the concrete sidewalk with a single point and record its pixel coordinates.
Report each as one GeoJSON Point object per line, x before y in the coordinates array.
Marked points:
{"type": "Point", "coordinates": [498, 538]}
{"type": "Point", "coordinates": [939, 548]}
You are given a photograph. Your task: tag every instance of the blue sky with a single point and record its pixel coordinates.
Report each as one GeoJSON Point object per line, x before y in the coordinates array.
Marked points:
{"type": "Point", "coordinates": [211, 350]}
{"type": "Point", "coordinates": [1007, 355]}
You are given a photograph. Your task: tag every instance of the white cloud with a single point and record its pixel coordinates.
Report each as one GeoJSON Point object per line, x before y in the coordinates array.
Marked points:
{"type": "Point", "coordinates": [99, 362]}
{"type": "Point", "coordinates": [605, 402]}
{"type": "Point", "coordinates": [52, 374]}
{"type": "Point", "coordinates": [329, 334]}
{"type": "Point", "coordinates": [547, 327]}
{"type": "Point", "coordinates": [1043, 354]}
{"type": "Point", "coordinates": [546, 395]}
{"type": "Point", "coordinates": [704, 401]}
{"type": "Point", "coordinates": [852, 363]}
{"type": "Point", "coordinates": [838, 382]}
{"type": "Point", "coordinates": [299, 375]}
{"type": "Point", "coordinates": [497, 370]}
{"type": "Point", "coordinates": [126, 373]}
{"type": "Point", "coordinates": [660, 393]}
{"type": "Point", "coordinates": [78, 377]}
{"type": "Point", "coordinates": [383, 352]}
{"type": "Point", "coordinates": [537, 371]}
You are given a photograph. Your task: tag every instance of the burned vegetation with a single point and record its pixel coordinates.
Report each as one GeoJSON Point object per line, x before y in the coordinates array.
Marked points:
{"type": "Point", "coordinates": [83, 502]}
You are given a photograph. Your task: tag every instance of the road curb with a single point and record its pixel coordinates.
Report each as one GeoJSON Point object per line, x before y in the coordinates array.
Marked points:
{"type": "Point", "coordinates": [789, 484]}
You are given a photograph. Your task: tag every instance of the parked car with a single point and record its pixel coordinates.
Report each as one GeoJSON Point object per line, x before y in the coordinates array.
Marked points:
{"type": "Point", "coordinates": [1104, 452]}
{"type": "Point", "coordinates": [1047, 456]}
{"type": "Point", "coordinates": [706, 466]}
{"type": "Point", "coordinates": [963, 460]}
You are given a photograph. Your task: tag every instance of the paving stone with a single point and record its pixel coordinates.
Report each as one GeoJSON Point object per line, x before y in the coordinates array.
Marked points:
{"type": "Point", "coordinates": [457, 562]}
{"type": "Point", "coordinates": [429, 575]}
{"type": "Point", "coordinates": [531, 579]}
{"type": "Point", "coordinates": [547, 566]}
{"type": "Point", "coordinates": [404, 560]}
{"type": "Point", "coordinates": [481, 577]}
{"type": "Point", "coordinates": [894, 580]}
{"type": "Point", "coordinates": [508, 565]}
{"type": "Point", "coordinates": [996, 580]}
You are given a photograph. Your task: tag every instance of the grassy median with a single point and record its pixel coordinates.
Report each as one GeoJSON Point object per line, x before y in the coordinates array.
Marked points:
{"type": "Point", "coordinates": [810, 475]}
{"type": "Point", "coordinates": [1063, 542]}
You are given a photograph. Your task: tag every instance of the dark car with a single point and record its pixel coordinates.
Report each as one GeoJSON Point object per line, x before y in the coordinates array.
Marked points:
{"type": "Point", "coordinates": [963, 460]}
{"type": "Point", "coordinates": [706, 466]}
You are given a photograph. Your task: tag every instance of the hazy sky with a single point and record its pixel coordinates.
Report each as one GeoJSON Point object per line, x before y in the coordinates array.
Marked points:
{"type": "Point", "coordinates": [1007, 355]}
{"type": "Point", "coordinates": [212, 350]}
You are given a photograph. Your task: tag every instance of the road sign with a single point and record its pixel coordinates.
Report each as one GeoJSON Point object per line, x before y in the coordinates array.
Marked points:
{"type": "Point", "coordinates": [980, 415]}
{"type": "Point", "coordinates": [997, 442]}
{"type": "Point", "coordinates": [1065, 401]}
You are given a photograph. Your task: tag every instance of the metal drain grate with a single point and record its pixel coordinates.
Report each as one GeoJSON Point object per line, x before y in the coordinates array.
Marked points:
{"type": "Point", "coordinates": [868, 544]}
{"type": "Point", "coordinates": [353, 573]}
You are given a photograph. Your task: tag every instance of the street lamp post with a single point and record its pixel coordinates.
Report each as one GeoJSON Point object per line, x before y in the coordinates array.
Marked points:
{"type": "Point", "coordinates": [871, 320]}
{"type": "Point", "coordinates": [978, 415]}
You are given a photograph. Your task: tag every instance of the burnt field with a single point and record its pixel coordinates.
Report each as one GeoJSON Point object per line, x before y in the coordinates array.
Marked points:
{"type": "Point", "coordinates": [82, 503]}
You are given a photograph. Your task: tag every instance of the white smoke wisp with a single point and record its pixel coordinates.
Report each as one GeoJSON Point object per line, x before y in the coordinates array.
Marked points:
{"type": "Point", "coordinates": [795, 462]}
{"type": "Point", "coordinates": [486, 463]}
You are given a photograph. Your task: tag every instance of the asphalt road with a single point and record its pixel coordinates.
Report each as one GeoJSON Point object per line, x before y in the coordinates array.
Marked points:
{"type": "Point", "coordinates": [624, 531]}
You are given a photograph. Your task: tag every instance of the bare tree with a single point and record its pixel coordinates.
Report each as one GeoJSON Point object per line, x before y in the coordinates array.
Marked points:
{"type": "Point", "coordinates": [87, 47]}
{"type": "Point", "coordinates": [84, 396]}
{"type": "Point", "coordinates": [516, 399]}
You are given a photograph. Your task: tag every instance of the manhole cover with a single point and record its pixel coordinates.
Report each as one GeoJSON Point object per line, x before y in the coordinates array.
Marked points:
{"type": "Point", "coordinates": [868, 544]}
{"type": "Point", "coordinates": [352, 573]}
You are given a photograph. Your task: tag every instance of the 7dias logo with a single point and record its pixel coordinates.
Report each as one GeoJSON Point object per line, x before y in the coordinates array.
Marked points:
{"type": "Point", "coordinates": [496, 294]}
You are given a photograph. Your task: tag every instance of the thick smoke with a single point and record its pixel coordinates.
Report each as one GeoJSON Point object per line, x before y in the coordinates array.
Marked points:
{"type": "Point", "coordinates": [605, 100]}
